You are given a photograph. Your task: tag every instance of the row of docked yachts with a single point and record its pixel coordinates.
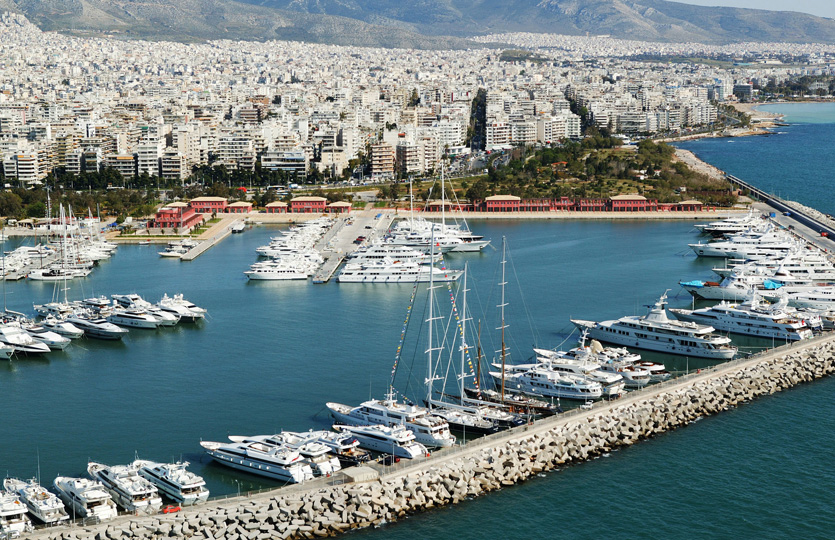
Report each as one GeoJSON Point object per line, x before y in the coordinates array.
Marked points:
{"type": "Point", "coordinates": [97, 317]}
{"type": "Point", "coordinates": [291, 256]}
{"type": "Point", "coordinates": [136, 488]}
{"type": "Point", "coordinates": [760, 297]}
{"type": "Point", "coordinates": [403, 254]}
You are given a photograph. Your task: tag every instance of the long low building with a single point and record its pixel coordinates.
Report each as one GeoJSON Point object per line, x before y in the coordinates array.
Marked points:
{"type": "Point", "coordinates": [617, 203]}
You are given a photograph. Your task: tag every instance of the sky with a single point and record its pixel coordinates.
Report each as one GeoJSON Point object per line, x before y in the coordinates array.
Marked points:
{"type": "Point", "coordinates": [821, 8]}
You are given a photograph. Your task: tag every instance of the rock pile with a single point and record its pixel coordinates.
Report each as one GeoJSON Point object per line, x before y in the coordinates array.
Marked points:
{"type": "Point", "coordinates": [482, 466]}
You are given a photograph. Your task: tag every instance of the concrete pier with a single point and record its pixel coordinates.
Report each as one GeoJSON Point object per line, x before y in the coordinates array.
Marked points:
{"type": "Point", "coordinates": [340, 240]}
{"type": "Point", "coordinates": [326, 507]}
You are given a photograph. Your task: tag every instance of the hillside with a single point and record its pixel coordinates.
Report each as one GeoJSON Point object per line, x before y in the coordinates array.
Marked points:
{"type": "Point", "coordinates": [418, 23]}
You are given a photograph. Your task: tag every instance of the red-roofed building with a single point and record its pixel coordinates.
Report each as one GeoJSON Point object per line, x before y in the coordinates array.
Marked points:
{"type": "Point", "coordinates": [239, 207]}
{"type": "Point", "coordinates": [308, 205]}
{"type": "Point", "coordinates": [502, 203]}
{"type": "Point", "coordinates": [207, 205]}
{"type": "Point", "coordinates": [177, 215]}
{"type": "Point", "coordinates": [276, 207]}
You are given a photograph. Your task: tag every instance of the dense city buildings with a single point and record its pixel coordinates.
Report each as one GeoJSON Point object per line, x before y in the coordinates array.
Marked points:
{"type": "Point", "coordinates": [82, 105]}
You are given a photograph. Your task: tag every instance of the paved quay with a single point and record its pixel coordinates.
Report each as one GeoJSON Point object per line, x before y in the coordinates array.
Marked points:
{"type": "Point", "coordinates": [332, 505]}
{"type": "Point", "coordinates": [340, 241]}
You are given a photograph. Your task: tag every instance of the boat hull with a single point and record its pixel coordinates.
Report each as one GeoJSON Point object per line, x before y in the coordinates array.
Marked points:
{"type": "Point", "coordinates": [652, 345]}
{"type": "Point", "coordinates": [243, 464]}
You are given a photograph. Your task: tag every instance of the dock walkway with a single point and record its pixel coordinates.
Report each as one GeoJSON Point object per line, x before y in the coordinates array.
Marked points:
{"type": "Point", "coordinates": [215, 234]}
{"type": "Point", "coordinates": [339, 242]}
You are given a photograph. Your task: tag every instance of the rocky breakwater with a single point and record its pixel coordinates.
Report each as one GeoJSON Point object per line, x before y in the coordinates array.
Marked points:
{"type": "Point", "coordinates": [484, 465]}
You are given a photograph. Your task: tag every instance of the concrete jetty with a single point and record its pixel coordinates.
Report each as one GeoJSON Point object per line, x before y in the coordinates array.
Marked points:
{"type": "Point", "coordinates": [330, 506]}
{"type": "Point", "coordinates": [339, 242]}
{"type": "Point", "coordinates": [210, 238]}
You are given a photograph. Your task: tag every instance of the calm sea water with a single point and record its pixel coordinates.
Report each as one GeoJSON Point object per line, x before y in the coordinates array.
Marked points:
{"type": "Point", "coordinates": [794, 162]}
{"type": "Point", "coordinates": [271, 355]}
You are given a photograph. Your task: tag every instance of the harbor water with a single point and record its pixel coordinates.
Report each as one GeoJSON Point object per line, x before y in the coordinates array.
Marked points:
{"type": "Point", "coordinates": [271, 354]}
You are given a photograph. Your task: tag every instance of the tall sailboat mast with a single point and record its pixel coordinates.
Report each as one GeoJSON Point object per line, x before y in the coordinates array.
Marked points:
{"type": "Point", "coordinates": [464, 347]}
{"type": "Point", "coordinates": [501, 307]}
{"type": "Point", "coordinates": [430, 375]}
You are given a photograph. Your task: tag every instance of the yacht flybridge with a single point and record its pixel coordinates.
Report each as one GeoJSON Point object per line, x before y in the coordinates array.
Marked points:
{"type": "Point", "coordinates": [657, 332]}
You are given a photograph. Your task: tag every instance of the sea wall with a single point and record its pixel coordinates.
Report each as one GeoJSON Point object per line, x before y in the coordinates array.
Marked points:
{"type": "Point", "coordinates": [484, 465]}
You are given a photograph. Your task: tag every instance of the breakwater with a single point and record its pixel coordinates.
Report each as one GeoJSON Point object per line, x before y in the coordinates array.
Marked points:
{"type": "Point", "coordinates": [484, 465]}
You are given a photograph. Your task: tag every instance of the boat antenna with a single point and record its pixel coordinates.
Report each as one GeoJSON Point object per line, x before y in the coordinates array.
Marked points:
{"type": "Point", "coordinates": [38, 451]}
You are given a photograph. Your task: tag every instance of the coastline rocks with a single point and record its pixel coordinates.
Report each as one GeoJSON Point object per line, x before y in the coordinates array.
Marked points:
{"type": "Point", "coordinates": [482, 466]}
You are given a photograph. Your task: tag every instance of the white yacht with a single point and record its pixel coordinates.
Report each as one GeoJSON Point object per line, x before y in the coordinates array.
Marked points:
{"type": "Point", "coordinates": [85, 498]}
{"type": "Point", "coordinates": [132, 318]}
{"type": "Point", "coordinates": [174, 480]}
{"type": "Point", "coordinates": [657, 332]}
{"type": "Point", "coordinates": [13, 519]}
{"type": "Point", "coordinates": [732, 225]}
{"type": "Point", "coordinates": [390, 271]}
{"type": "Point", "coordinates": [545, 382]}
{"type": "Point", "coordinates": [6, 351]}
{"type": "Point", "coordinates": [751, 318]}
{"type": "Point", "coordinates": [344, 447]}
{"type": "Point", "coordinates": [53, 340]}
{"type": "Point", "coordinates": [280, 464]}
{"type": "Point", "coordinates": [578, 362]}
{"type": "Point", "coordinates": [276, 272]}
{"type": "Point", "coordinates": [396, 440]}
{"type": "Point", "coordinates": [13, 335]}
{"type": "Point", "coordinates": [135, 301]}
{"type": "Point", "coordinates": [386, 250]}
{"type": "Point", "coordinates": [316, 453]}
{"type": "Point", "coordinates": [61, 327]}
{"type": "Point", "coordinates": [130, 490]}
{"type": "Point", "coordinates": [42, 504]}
{"type": "Point", "coordinates": [95, 326]}
{"type": "Point", "coordinates": [821, 298]}
{"type": "Point", "coordinates": [428, 429]}
{"type": "Point", "coordinates": [178, 305]}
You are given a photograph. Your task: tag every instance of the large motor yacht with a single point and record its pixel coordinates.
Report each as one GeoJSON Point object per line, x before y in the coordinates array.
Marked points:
{"type": "Point", "coordinates": [95, 326]}
{"type": "Point", "coordinates": [130, 490]}
{"type": "Point", "coordinates": [395, 440]}
{"type": "Point", "coordinates": [13, 519]}
{"type": "Point", "coordinates": [752, 318]}
{"type": "Point", "coordinates": [281, 464]}
{"type": "Point", "coordinates": [174, 480]}
{"type": "Point", "coordinates": [317, 454]}
{"type": "Point", "coordinates": [657, 332]}
{"type": "Point", "coordinates": [178, 305]}
{"type": "Point", "coordinates": [85, 498]}
{"type": "Point", "coordinates": [13, 335]}
{"type": "Point", "coordinates": [428, 429]}
{"type": "Point", "coordinates": [390, 271]}
{"type": "Point", "coordinates": [42, 504]}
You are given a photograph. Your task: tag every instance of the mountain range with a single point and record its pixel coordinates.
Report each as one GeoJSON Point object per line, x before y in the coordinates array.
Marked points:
{"type": "Point", "coordinates": [419, 23]}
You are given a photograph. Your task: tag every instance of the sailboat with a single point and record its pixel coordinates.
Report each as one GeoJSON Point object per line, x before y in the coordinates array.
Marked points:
{"type": "Point", "coordinates": [429, 429]}
{"type": "Point", "coordinates": [475, 418]}
{"type": "Point", "coordinates": [417, 232]}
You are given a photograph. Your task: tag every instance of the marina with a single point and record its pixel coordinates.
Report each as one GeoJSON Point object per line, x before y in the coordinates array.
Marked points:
{"type": "Point", "coordinates": [304, 475]}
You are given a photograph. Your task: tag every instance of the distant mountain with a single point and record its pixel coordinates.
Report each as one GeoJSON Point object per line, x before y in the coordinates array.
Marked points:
{"type": "Point", "coordinates": [651, 20]}
{"type": "Point", "coordinates": [419, 23]}
{"type": "Point", "coordinates": [190, 20]}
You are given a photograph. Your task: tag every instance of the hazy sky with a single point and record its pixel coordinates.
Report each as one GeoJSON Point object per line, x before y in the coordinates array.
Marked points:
{"type": "Point", "coordinates": [822, 8]}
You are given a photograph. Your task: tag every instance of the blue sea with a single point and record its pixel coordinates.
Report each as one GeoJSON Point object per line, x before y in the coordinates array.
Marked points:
{"type": "Point", "coordinates": [271, 354]}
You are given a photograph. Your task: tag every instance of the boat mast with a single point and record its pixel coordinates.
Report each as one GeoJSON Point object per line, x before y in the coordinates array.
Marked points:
{"type": "Point", "coordinates": [430, 378]}
{"type": "Point", "coordinates": [411, 206]}
{"type": "Point", "coordinates": [464, 347]}
{"type": "Point", "coordinates": [502, 306]}
{"type": "Point", "coordinates": [443, 199]}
